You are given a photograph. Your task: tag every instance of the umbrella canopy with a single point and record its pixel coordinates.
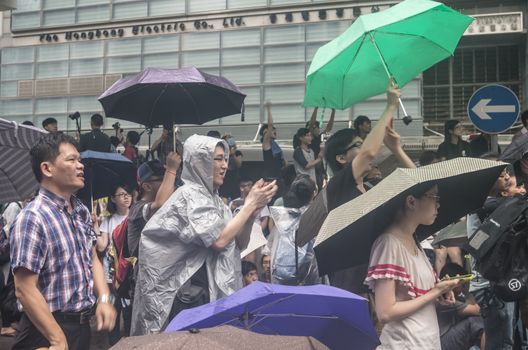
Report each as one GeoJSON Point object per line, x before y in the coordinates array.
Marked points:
{"type": "Point", "coordinates": [17, 180]}
{"type": "Point", "coordinates": [350, 230]}
{"type": "Point", "coordinates": [103, 171]}
{"type": "Point", "coordinates": [452, 236]}
{"type": "Point", "coordinates": [218, 338]}
{"type": "Point", "coordinates": [333, 316]}
{"type": "Point", "coordinates": [401, 41]}
{"type": "Point", "coordinates": [172, 96]}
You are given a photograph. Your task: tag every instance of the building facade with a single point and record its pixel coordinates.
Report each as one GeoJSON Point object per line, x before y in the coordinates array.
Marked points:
{"type": "Point", "coordinates": [58, 56]}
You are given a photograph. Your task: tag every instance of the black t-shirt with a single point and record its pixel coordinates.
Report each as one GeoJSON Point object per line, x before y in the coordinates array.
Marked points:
{"type": "Point", "coordinates": [449, 151]}
{"type": "Point", "coordinates": [136, 224]}
{"type": "Point", "coordinates": [272, 165]}
{"type": "Point", "coordinates": [230, 188]}
{"type": "Point", "coordinates": [342, 188]}
{"type": "Point", "coordinates": [95, 140]}
{"type": "Point", "coordinates": [316, 145]}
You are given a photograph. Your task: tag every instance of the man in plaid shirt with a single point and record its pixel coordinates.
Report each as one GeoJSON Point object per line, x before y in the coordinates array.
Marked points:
{"type": "Point", "coordinates": [53, 256]}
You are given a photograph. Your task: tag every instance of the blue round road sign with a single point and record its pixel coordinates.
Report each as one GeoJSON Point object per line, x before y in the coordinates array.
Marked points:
{"type": "Point", "coordinates": [493, 109]}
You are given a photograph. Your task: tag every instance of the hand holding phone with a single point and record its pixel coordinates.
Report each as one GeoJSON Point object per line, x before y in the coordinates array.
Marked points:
{"type": "Point", "coordinates": [463, 278]}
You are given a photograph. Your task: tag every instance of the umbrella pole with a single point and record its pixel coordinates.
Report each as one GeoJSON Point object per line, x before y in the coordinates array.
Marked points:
{"type": "Point", "coordinates": [387, 70]}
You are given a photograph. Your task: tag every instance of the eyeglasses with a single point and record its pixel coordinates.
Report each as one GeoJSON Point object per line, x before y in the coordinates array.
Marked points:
{"type": "Point", "coordinates": [433, 196]}
{"type": "Point", "coordinates": [123, 194]}
{"type": "Point", "coordinates": [354, 145]}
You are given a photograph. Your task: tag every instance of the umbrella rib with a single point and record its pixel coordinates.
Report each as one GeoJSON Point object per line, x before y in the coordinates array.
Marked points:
{"type": "Point", "coordinates": [156, 102]}
{"type": "Point", "coordinates": [191, 98]}
{"type": "Point", "coordinates": [350, 65]}
{"type": "Point", "coordinates": [415, 35]}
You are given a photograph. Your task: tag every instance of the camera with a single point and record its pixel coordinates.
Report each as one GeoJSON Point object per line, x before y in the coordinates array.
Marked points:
{"type": "Point", "coordinates": [74, 116]}
{"type": "Point", "coordinates": [116, 125]}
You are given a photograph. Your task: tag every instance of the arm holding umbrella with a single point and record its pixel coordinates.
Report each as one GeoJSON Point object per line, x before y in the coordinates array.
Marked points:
{"type": "Point", "coordinates": [392, 141]}
{"type": "Point", "coordinates": [166, 188]}
{"type": "Point", "coordinates": [372, 143]}
{"type": "Point", "coordinates": [330, 124]}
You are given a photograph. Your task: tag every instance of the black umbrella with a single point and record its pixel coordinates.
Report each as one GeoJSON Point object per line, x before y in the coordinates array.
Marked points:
{"type": "Point", "coordinates": [103, 172]}
{"type": "Point", "coordinates": [350, 230]}
{"type": "Point", "coordinates": [172, 96]}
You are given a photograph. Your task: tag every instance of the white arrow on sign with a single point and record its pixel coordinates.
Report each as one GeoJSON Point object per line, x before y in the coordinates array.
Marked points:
{"type": "Point", "coordinates": [481, 109]}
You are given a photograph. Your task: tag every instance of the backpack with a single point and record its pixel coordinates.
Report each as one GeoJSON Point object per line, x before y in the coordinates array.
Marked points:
{"type": "Point", "coordinates": [122, 262]}
{"type": "Point", "coordinates": [500, 248]}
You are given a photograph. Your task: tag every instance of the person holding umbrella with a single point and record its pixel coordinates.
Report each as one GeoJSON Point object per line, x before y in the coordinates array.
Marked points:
{"type": "Point", "coordinates": [402, 279]}
{"type": "Point", "coordinates": [189, 251]}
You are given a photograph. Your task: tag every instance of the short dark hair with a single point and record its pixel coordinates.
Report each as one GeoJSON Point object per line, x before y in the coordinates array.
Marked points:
{"type": "Point", "coordinates": [48, 121]}
{"type": "Point", "coordinates": [114, 140]}
{"type": "Point", "coordinates": [336, 145]}
{"type": "Point", "coordinates": [97, 120]}
{"type": "Point", "coordinates": [133, 137]}
{"type": "Point", "coordinates": [315, 124]}
{"type": "Point", "coordinates": [297, 137]}
{"type": "Point", "coordinates": [214, 133]}
{"type": "Point", "coordinates": [300, 193]}
{"type": "Point", "coordinates": [247, 267]}
{"type": "Point", "coordinates": [111, 207]}
{"type": "Point", "coordinates": [449, 125]}
{"type": "Point", "coordinates": [427, 157]}
{"type": "Point", "coordinates": [263, 128]}
{"type": "Point", "coordinates": [28, 122]}
{"type": "Point", "coordinates": [524, 118]}
{"type": "Point", "coordinates": [360, 119]}
{"type": "Point", "coordinates": [47, 150]}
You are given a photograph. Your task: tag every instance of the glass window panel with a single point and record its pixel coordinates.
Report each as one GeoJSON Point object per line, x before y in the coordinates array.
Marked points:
{"type": "Point", "coordinates": [287, 2]}
{"type": "Point", "coordinates": [206, 5]}
{"type": "Point", "coordinates": [237, 38]}
{"type": "Point", "coordinates": [91, 2]}
{"type": "Point", "coordinates": [311, 49]}
{"type": "Point", "coordinates": [130, 10]}
{"type": "Point", "coordinates": [242, 75]}
{"type": "Point", "coordinates": [93, 14]}
{"type": "Point", "coordinates": [281, 35]}
{"type": "Point", "coordinates": [278, 94]}
{"type": "Point", "coordinates": [9, 89]}
{"type": "Point", "coordinates": [17, 72]}
{"type": "Point", "coordinates": [251, 115]}
{"type": "Point", "coordinates": [233, 4]}
{"type": "Point", "coordinates": [165, 7]}
{"type": "Point", "coordinates": [291, 53]}
{"type": "Point", "coordinates": [201, 59]}
{"type": "Point", "coordinates": [325, 31]}
{"type": "Point", "coordinates": [235, 57]}
{"type": "Point", "coordinates": [290, 72]}
{"type": "Point", "coordinates": [52, 69]}
{"type": "Point", "coordinates": [52, 53]}
{"type": "Point", "coordinates": [57, 4]}
{"type": "Point", "coordinates": [166, 43]}
{"type": "Point", "coordinates": [51, 105]}
{"type": "Point", "coordinates": [90, 66]}
{"type": "Point", "coordinates": [412, 89]}
{"type": "Point", "coordinates": [25, 20]}
{"type": "Point", "coordinates": [124, 65]}
{"type": "Point", "coordinates": [194, 41]}
{"type": "Point", "coordinates": [124, 47]}
{"type": "Point", "coordinates": [57, 18]}
{"type": "Point", "coordinates": [84, 104]}
{"type": "Point", "coordinates": [162, 60]}
{"type": "Point", "coordinates": [287, 113]}
{"type": "Point", "coordinates": [87, 49]}
{"type": "Point", "coordinates": [18, 55]}
{"type": "Point", "coordinates": [17, 107]}
{"type": "Point", "coordinates": [27, 5]}
{"type": "Point", "coordinates": [252, 95]}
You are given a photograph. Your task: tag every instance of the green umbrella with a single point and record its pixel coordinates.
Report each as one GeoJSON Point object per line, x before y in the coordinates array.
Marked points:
{"type": "Point", "coordinates": [401, 42]}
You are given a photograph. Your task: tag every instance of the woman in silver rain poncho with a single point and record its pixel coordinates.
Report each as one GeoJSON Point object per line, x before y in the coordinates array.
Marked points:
{"type": "Point", "coordinates": [187, 251]}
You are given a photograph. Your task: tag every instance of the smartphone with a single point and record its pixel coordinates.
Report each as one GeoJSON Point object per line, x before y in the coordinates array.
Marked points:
{"type": "Point", "coordinates": [463, 278]}
{"type": "Point", "coordinates": [269, 179]}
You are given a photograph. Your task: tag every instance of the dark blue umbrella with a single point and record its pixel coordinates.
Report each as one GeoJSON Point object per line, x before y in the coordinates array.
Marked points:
{"type": "Point", "coordinates": [172, 96]}
{"type": "Point", "coordinates": [103, 172]}
{"type": "Point", "coordinates": [337, 318]}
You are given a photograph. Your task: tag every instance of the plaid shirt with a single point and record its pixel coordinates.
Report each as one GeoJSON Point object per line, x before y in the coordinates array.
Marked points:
{"type": "Point", "coordinates": [56, 245]}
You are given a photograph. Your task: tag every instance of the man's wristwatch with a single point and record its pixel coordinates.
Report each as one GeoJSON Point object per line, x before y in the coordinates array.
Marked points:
{"type": "Point", "coordinates": [106, 299]}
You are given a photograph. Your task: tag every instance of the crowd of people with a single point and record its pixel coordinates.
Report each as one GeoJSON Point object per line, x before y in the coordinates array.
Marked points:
{"type": "Point", "coordinates": [182, 237]}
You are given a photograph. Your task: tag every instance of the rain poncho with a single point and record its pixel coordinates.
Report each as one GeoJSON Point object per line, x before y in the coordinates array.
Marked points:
{"type": "Point", "coordinates": [177, 240]}
{"type": "Point", "coordinates": [284, 267]}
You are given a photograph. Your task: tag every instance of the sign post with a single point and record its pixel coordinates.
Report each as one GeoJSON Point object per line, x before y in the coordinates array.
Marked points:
{"type": "Point", "coordinates": [493, 109]}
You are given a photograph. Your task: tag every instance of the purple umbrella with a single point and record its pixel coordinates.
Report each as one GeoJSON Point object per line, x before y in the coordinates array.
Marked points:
{"type": "Point", "coordinates": [172, 96]}
{"type": "Point", "coordinates": [337, 318]}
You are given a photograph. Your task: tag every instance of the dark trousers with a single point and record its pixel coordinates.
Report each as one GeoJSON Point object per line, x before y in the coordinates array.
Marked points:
{"type": "Point", "coordinates": [29, 337]}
